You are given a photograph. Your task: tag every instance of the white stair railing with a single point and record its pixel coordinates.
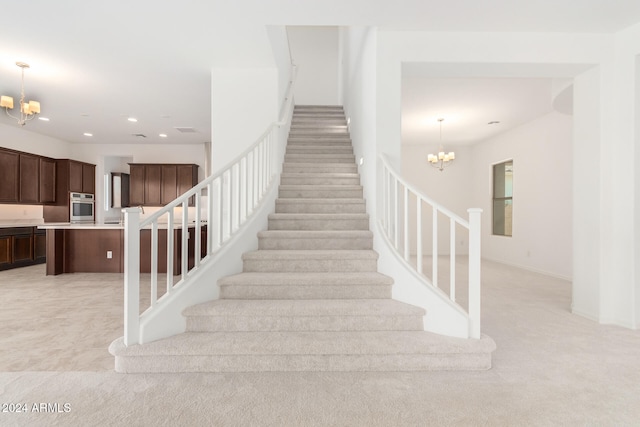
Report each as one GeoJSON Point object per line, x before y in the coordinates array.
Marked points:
{"type": "Point", "coordinates": [232, 195]}
{"type": "Point", "coordinates": [395, 223]}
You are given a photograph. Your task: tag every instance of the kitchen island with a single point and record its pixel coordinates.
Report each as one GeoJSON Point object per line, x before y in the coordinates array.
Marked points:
{"type": "Point", "coordinates": [99, 248]}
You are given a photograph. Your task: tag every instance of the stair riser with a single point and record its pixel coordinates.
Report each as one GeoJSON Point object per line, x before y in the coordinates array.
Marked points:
{"type": "Point", "coordinates": [275, 243]}
{"type": "Point", "coordinates": [318, 224]}
{"type": "Point", "coordinates": [304, 113]}
{"type": "Point", "coordinates": [317, 132]}
{"type": "Point", "coordinates": [302, 122]}
{"type": "Point", "coordinates": [313, 150]}
{"type": "Point", "coordinates": [303, 207]}
{"type": "Point", "coordinates": [258, 292]}
{"type": "Point", "coordinates": [309, 265]}
{"type": "Point", "coordinates": [345, 138]}
{"type": "Point", "coordinates": [304, 363]}
{"type": "Point", "coordinates": [320, 144]}
{"type": "Point", "coordinates": [298, 180]}
{"type": "Point", "coordinates": [320, 194]}
{"type": "Point", "coordinates": [319, 158]}
{"type": "Point", "coordinates": [301, 167]}
{"type": "Point", "coordinates": [303, 323]}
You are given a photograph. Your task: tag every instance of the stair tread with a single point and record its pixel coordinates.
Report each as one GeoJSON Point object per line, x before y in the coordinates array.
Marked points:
{"type": "Point", "coordinates": [316, 234]}
{"type": "Point", "coordinates": [320, 186]}
{"type": "Point", "coordinates": [321, 200]}
{"type": "Point", "coordinates": [324, 216]}
{"type": "Point", "coordinates": [318, 254]}
{"type": "Point", "coordinates": [320, 175]}
{"type": "Point", "coordinates": [306, 279]}
{"type": "Point", "coordinates": [310, 307]}
{"type": "Point", "coordinates": [305, 343]}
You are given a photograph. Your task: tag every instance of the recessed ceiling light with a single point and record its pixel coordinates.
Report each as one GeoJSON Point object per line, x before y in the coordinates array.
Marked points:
{"type": "Point", "coordinates": [132, 119]}
{"type": "Point", "coordinates": [163, 135]}
{"type": "Point", "coordinates": [87, 134]}
{"type": "Point", "coordinates": [493, 122]}
{"type": "Point", "coordinates": [44, 119]}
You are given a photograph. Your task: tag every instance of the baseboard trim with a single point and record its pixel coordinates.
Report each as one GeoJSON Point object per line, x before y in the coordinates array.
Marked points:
{"type": "Point", "coordinates": [605, 320]}
{"type": "Point", "coordinates": [585, 315]}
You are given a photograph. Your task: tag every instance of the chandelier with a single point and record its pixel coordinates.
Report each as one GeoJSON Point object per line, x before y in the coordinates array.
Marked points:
{"type": "Point", "coordinates": [442, 159]}
{"type": "Point", "coordinates": [28, 110]}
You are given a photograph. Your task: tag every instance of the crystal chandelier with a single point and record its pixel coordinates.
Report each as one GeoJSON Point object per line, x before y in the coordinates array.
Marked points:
{"type": "Point", "coordinates": [442, 159]}
{"type": "Point", "coordinates": [28, 110]}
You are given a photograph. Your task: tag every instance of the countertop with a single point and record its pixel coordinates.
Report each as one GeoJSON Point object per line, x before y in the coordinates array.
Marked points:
{"type": "Point", "coordinates": [10, 223]}
{"type": "Point", "coordinates": [96, 226]}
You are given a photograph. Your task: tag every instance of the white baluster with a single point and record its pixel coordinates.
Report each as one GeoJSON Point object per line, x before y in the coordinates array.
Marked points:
{"type": "Point", "coordinates": [154, 262]}
{"type": "Point", "coordinates": [198, 233]}
{"type": "Point", "coordinates": [419, 234]}
{"type": "Point", "coordinates": [169, 251]}
{"type": "Point", "coordinates": [185, 240]}
{"type": "Point", "coordinates": [406, 223]}
{"type": "Point", "coordinates": [434, 256]}
{"type": "Point", "coordinates": [452, 259]}
{"type": "Point", "coordinates": [396, 214]}
{"type": "Point", "coordinates": [210, 218]}
{"type": "Point", "coordinates": [474, 272]}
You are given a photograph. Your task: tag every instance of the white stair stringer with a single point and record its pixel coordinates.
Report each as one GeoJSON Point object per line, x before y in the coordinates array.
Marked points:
{"type": "Point", "coordinates": [310, 298]}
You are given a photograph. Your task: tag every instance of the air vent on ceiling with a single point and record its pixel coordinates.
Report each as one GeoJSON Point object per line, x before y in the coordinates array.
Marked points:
{"type": "Point", "coordinates": [185, 129]}
{"type": "Point", "coordinates": [139, 135]}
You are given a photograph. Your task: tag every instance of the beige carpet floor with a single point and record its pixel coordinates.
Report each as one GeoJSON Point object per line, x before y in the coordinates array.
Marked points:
{"type": "Point", "coordinates": [551, 368]}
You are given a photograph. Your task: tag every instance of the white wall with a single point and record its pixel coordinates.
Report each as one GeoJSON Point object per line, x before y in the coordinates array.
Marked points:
{"type": "Point", "coordinates": [21, 139]}
{"type": "Point", "coordinates": [358, 47]}
{"type": "Point", "coordinates": [542, 194]}
{"type": "Point", "coordinates": [244, 103]}
{"type": "Point", "coordinates": [315, 50]}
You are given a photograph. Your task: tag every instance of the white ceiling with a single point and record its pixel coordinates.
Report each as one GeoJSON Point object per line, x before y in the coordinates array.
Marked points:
{"type": "Point", "coordinates": [93, 64]}
{"type": "Point", "coordinates": [467, 105]}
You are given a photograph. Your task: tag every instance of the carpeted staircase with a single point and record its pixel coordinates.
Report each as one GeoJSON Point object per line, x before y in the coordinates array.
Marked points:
{"type": "Point", "coordinates": [310, 298]}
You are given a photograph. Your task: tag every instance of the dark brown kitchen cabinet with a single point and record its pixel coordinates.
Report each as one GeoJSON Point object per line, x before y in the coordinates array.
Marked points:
{"type": "Point", "coordinates": [29, 179]}
{"type": "Point", "coordinates": [187, 178]}
{"type": "Point", "coordinates": [75, 176]}
{"type": "Point", "coordinates": [9, 176]}
{"type": "Point", "coordinates": [88, 178]}
{"type": "Point", "coordinates": [21, 246]}
{"type": "Point", "coordinates": [26, 178]}
{"type": "Point", "coordinates": [155, 184]}
{"type": "Point", "coordinates": [47, 180]}
{"type": "Point", "coordinates": [82, 177]}
{"type": "Point", "coordinates": [70, 176]}
{"type": "Point", "coordinates": [169, 184]}
{"type": "Point", "coordinates": [136, 185]}
{"type": "Point", "coordinates": [5, 252]}
{"type": "Point", "coordinates": [152, 185]}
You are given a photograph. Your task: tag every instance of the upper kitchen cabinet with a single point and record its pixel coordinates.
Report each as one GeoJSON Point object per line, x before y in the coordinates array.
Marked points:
{"type": "Point", "coordinates": [71, 176]}
{"type": "Point", "coordinates": [47, 180]}
{"type": "Point", "coordinates": [26, 178]}
{"type": "Point", "coordinates": [154, 184]}
{"type": "Point", "coordinates": [29, 179]}
{"type": "Point", "coordinates": [82, 177]}
{"type": "Point", "coordinates": [9, 176]}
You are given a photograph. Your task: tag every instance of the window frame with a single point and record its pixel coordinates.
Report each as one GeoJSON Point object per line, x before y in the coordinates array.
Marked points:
{"type": "Point", "coordinates": [503, 199]}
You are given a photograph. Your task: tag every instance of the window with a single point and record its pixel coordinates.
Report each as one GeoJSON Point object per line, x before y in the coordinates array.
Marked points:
{"type": "Point", "coordinates": [503, 198]}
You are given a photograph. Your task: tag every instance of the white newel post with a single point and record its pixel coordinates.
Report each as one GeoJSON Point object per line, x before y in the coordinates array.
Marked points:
{"type": "Point", "coordinates": [474, 272]}
{"type": "Point", "coordinates": [131, 276]}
